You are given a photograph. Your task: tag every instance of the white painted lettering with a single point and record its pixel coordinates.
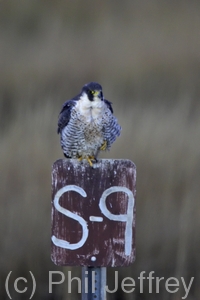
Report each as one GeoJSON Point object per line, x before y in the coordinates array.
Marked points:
{"type": "Point", "coordinates": [128, 217]}
{"type": "Point", "coordinates": [62, 243]}
{"type": "Point", "coordinates": [96, 219]}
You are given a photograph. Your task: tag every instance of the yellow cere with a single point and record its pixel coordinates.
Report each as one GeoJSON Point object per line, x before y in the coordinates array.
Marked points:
{"type": "Point", "coordinates": [95, 93]}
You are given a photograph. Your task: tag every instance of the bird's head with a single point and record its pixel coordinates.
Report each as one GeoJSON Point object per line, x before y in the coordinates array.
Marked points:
{"type": "Point", "coordinates": [93, 91]}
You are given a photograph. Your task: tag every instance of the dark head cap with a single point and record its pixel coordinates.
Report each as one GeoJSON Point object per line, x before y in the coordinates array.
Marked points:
{"type": "Point", "coordinates": [93, 89]}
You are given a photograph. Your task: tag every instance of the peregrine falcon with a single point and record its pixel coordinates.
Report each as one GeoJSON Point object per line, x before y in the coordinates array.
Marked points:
{"type": "Point", "coordinates": [86, 124]}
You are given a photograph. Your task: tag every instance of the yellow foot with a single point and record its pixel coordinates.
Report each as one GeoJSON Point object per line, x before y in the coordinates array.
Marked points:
{"type": "Point", "coordinates": [104, 146]}
{"type": "Point", "coordinates": [89, 159]}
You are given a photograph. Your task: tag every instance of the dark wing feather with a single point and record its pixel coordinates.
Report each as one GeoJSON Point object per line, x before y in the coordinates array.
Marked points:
{"type": "Point", "coordinates": [65, 113]}
{"type": "Point", "coordinates": [109, 105]}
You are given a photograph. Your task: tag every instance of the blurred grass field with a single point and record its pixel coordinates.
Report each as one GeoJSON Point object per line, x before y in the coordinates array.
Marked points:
{"type": "Point", "coordinates": [146, 55]}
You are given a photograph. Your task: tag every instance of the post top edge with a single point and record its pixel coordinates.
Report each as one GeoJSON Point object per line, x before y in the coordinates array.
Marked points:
{"type": "Point", "coordinates": [100, 161]}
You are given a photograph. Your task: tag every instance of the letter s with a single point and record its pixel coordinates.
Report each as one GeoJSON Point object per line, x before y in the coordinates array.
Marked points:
{"type": "Point", "coordinates": [62, 243]}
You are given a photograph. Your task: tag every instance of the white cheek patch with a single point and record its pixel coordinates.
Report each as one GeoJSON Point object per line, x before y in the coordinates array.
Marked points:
{"type": "Point", "coordinates": [83, 104]}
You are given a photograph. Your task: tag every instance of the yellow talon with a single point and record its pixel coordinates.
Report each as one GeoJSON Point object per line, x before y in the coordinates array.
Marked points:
{"type": "Point", "coordinates": [89, 160]}
{"type": "Point", "coordinates": [104, 146]}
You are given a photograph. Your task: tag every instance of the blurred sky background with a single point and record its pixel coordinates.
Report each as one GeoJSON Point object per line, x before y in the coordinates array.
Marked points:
{"type": "Point", "coordinates": [146, 55]}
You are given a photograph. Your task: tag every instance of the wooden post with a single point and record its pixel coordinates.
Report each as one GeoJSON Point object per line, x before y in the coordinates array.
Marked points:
{"type": "Point", "coordinates": [93, 213]}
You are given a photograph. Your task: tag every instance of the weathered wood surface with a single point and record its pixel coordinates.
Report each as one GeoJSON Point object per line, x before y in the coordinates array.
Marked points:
{"type": "Point", "coordinates": [93, 213]}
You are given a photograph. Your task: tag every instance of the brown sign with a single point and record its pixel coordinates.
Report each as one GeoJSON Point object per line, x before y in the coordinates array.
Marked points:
{"type": "Point", "coordinates": [93, 213]}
